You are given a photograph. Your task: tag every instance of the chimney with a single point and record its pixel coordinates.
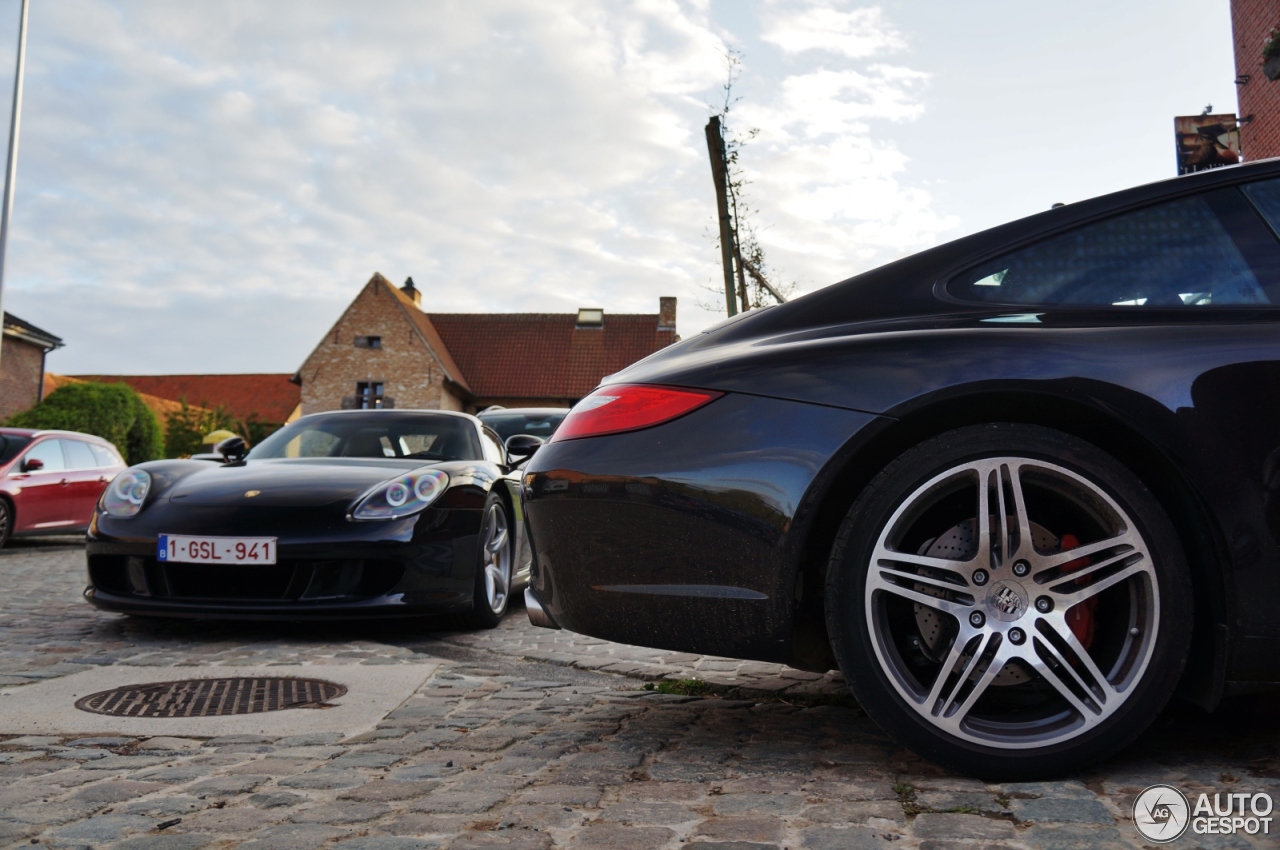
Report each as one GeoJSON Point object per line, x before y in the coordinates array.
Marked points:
{"type": "Point", "coordinates": [667, 313]}
{"type": "Point", "coordinates": [412, 291]}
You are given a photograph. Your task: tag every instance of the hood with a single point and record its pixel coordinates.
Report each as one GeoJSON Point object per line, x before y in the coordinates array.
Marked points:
{"type": "Point", "coordinates": [286, 483]}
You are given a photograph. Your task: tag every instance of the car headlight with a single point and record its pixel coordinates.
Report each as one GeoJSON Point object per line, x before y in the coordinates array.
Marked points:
{"type": "Point", "coordinates": [125, 495]}
{"type": "Point", "coordinates": [401, 496]}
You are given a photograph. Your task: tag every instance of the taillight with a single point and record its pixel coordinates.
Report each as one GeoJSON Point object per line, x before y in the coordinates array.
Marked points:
{"type": "Point", "coordinates": [612, 410]}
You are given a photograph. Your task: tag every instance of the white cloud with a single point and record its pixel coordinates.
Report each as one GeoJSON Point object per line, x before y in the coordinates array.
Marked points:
{"type": "Point", "coordinates": [827, 177]}
{"type": "Point", "coordinates": [857, 33]}
{"type": "Point", "coordinates": [204, 186]}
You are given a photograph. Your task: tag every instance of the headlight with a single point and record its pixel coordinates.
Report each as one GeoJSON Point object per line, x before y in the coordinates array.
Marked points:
{"type": "Point", "coordinates": [125, 495]}
{"type": "Point", "coordinates": [402, 496]}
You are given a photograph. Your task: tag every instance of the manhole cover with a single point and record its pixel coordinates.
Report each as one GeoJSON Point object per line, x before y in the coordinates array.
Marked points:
{"type": "Point", "coordinates": [212, 697]}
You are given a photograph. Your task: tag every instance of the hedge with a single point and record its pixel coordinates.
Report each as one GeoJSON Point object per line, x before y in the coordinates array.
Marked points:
{"type": "Point", "coordinates": [111, 411]}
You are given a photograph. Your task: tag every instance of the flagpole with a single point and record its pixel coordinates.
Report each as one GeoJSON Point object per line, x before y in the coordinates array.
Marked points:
{"type": "Point", "coordinates": [11, 167]}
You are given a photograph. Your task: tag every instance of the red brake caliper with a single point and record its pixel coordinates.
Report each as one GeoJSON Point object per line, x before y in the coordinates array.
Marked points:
{"type": "Point", "coordinates": [1079, 617]}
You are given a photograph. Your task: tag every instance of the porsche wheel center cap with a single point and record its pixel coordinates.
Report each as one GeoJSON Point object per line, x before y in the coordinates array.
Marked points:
{"type": "Point", "coordinates": [1007, 601]}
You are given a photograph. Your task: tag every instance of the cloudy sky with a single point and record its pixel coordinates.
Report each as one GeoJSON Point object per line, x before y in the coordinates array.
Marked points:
{"type": "Point", "coordinates": [204, 186]}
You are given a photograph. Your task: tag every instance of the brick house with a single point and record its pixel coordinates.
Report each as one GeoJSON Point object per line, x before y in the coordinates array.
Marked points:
{"type": "Point", "coordinates": [22, 355]}
{"type": "Point", "coordinates": [1251, 21]}
{"type": "Point", "coordinates": [384, 351]}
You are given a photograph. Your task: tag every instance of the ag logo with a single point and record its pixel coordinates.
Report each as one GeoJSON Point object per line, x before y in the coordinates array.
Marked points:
{"type": "Point", "coordinates": [1161, 813]}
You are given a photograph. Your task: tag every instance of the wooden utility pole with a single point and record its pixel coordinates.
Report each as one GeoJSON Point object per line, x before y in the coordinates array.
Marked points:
{"type": "Point", "coordinates": [719, 173]}
{"type": "Point", "coordinates": [755, 272]}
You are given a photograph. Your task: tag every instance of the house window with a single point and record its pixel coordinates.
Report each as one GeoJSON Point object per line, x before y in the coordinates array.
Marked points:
{"type": "Point", "coordinates": [368, 342]}
{"type": "Point", "coordinates": [368, 395]}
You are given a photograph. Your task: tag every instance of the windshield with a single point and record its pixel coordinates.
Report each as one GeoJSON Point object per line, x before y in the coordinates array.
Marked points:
{"type": "Point", "coordinates": [376, 434]}
{"type": "Point", "coordinates": [510, 423]}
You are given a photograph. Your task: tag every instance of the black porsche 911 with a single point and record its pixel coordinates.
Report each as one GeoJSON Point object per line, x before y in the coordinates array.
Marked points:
{"type": "Point", "coordinates": [1019, 487]}
{"type": "Point", "coordinates": [337, 515]}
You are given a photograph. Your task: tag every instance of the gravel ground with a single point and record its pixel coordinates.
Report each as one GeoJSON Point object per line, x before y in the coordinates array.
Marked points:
{"type": "Point", "coordinates": [529, 738]}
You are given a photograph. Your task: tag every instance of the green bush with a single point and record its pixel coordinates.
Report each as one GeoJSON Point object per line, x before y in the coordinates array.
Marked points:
{"type": "Point", "coordinates": [185, 428]}
{"type": "Point", "coordinates": [1271, 44]}
{"type": "Point", "coordinates": [111, 411]}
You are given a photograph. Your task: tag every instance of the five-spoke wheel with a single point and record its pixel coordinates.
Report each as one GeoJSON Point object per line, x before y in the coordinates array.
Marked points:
{"type": "Point", "coordinates": [1010, 600]}
{"type": "Point", "coordinates": [493, 573]}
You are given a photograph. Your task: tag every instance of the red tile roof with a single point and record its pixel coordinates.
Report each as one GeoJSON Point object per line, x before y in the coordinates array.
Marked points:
{"type": "Point", "coordinates": [544, 355]}
{"type": "Point", "coordinates": [272, 397]}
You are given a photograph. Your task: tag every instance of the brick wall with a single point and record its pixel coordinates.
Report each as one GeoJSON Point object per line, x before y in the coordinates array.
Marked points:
{"type": "Point", "coordinates": [1251, 20]}
{"type": "Point", "coordinates": [21, 376]}
{"type": "Point", "coordinates": [409, 372]}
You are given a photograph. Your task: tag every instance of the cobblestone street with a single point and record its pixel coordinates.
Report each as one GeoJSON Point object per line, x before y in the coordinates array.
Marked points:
{"type": "Point", "coordinates": [527, 738]}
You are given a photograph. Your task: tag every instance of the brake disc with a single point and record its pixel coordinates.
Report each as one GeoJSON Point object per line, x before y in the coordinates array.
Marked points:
{"type": "Point", "coordinates": [958, 544]}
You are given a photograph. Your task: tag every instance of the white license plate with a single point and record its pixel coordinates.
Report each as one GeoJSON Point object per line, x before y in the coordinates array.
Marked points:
{"type": "Point", "coordinates": [216, 550]}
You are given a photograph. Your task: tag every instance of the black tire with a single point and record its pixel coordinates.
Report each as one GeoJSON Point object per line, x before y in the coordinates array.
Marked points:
{"type": "Point", "coordinates": [488, 610]}
{"type": "Point", "coordinates": [877, 613]}
{"type": "Point", "coordinates": [6, 522]}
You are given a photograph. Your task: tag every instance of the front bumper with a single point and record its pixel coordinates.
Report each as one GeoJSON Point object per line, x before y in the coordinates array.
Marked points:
{"type": "Point", "coordinates": [325, 570]}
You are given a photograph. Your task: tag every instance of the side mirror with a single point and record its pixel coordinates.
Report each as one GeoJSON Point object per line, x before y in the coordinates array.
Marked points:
{"type": "Point", "coordinates": [232, 449]}
{"type": "Point", "coordinates": [520, 447]}
{"type": "Point", "coordinates": [32, 464]}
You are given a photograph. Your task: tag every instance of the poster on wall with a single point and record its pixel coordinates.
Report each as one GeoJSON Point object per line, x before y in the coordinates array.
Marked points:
{"type": "Point", "coordinates": [1206, 141]}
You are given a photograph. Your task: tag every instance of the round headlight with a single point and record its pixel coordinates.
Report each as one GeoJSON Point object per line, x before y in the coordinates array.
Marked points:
{"type": "Point", "coordinates": [401, 497]}
{"type": "Point", "coordinates": [125, 495]}
{"type": "Point", "coordinates": [428, 487]}
{"type": "Point", "coordinates": [397, 494]}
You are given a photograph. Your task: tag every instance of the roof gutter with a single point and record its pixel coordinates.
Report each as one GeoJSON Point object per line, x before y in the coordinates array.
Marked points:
{"type": "Point", "coordinates": [48, 343]}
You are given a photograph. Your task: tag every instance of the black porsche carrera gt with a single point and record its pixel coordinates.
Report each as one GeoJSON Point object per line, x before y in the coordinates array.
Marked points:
{"type": "Point", "coordinates": [1018, 488]}
{"type": "Point", "coordinates": [337, 515]}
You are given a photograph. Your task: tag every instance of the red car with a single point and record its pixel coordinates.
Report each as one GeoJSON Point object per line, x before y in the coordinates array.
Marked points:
{"type": "Point", "coordinates": [51, 480]}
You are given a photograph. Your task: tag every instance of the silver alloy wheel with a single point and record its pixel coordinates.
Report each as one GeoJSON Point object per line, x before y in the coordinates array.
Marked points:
{"type": "Point", "coordinates": [1005, 597]}
{"type": "Point", "coordinates": [497, 558]}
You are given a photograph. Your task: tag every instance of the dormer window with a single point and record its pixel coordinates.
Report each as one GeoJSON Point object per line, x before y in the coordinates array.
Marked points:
{"type": "Point", "coordinates": [368, 342]}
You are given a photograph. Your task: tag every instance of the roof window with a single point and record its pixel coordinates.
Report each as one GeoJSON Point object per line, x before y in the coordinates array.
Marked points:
{"type": "Point", "coordinates": [590, 317]}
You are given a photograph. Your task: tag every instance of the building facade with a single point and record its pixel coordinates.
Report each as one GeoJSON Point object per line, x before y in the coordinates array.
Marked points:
{"type": "Point", "coordinates": [382, 352]}
{"type": "Point", "coordinates": [1259, 97]}
{"type": "Point", "coordinates": [22, 357]}
{"type": "Point", "coordinates": [385, 351]}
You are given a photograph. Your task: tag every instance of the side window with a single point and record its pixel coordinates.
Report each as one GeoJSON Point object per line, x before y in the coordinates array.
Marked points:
{"type": "Point", "coordinates": [492, 448]}
{"type": "Point", "coordinates": [50, 453]}
{"type": "Point", "coordinates": [104, 455]}
{"type": "Point", "coordinates": [1177, 254]}
{"type": "Point", "coordinates": [78, 454]}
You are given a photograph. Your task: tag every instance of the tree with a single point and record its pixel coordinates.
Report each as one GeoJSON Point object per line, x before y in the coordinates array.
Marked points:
{"type": "Point", "coordinates": [185, 428]}
{"type": "Point", "coordinates": [757, 285]}
{"type": "Point", "coordinates": [111, 411]}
